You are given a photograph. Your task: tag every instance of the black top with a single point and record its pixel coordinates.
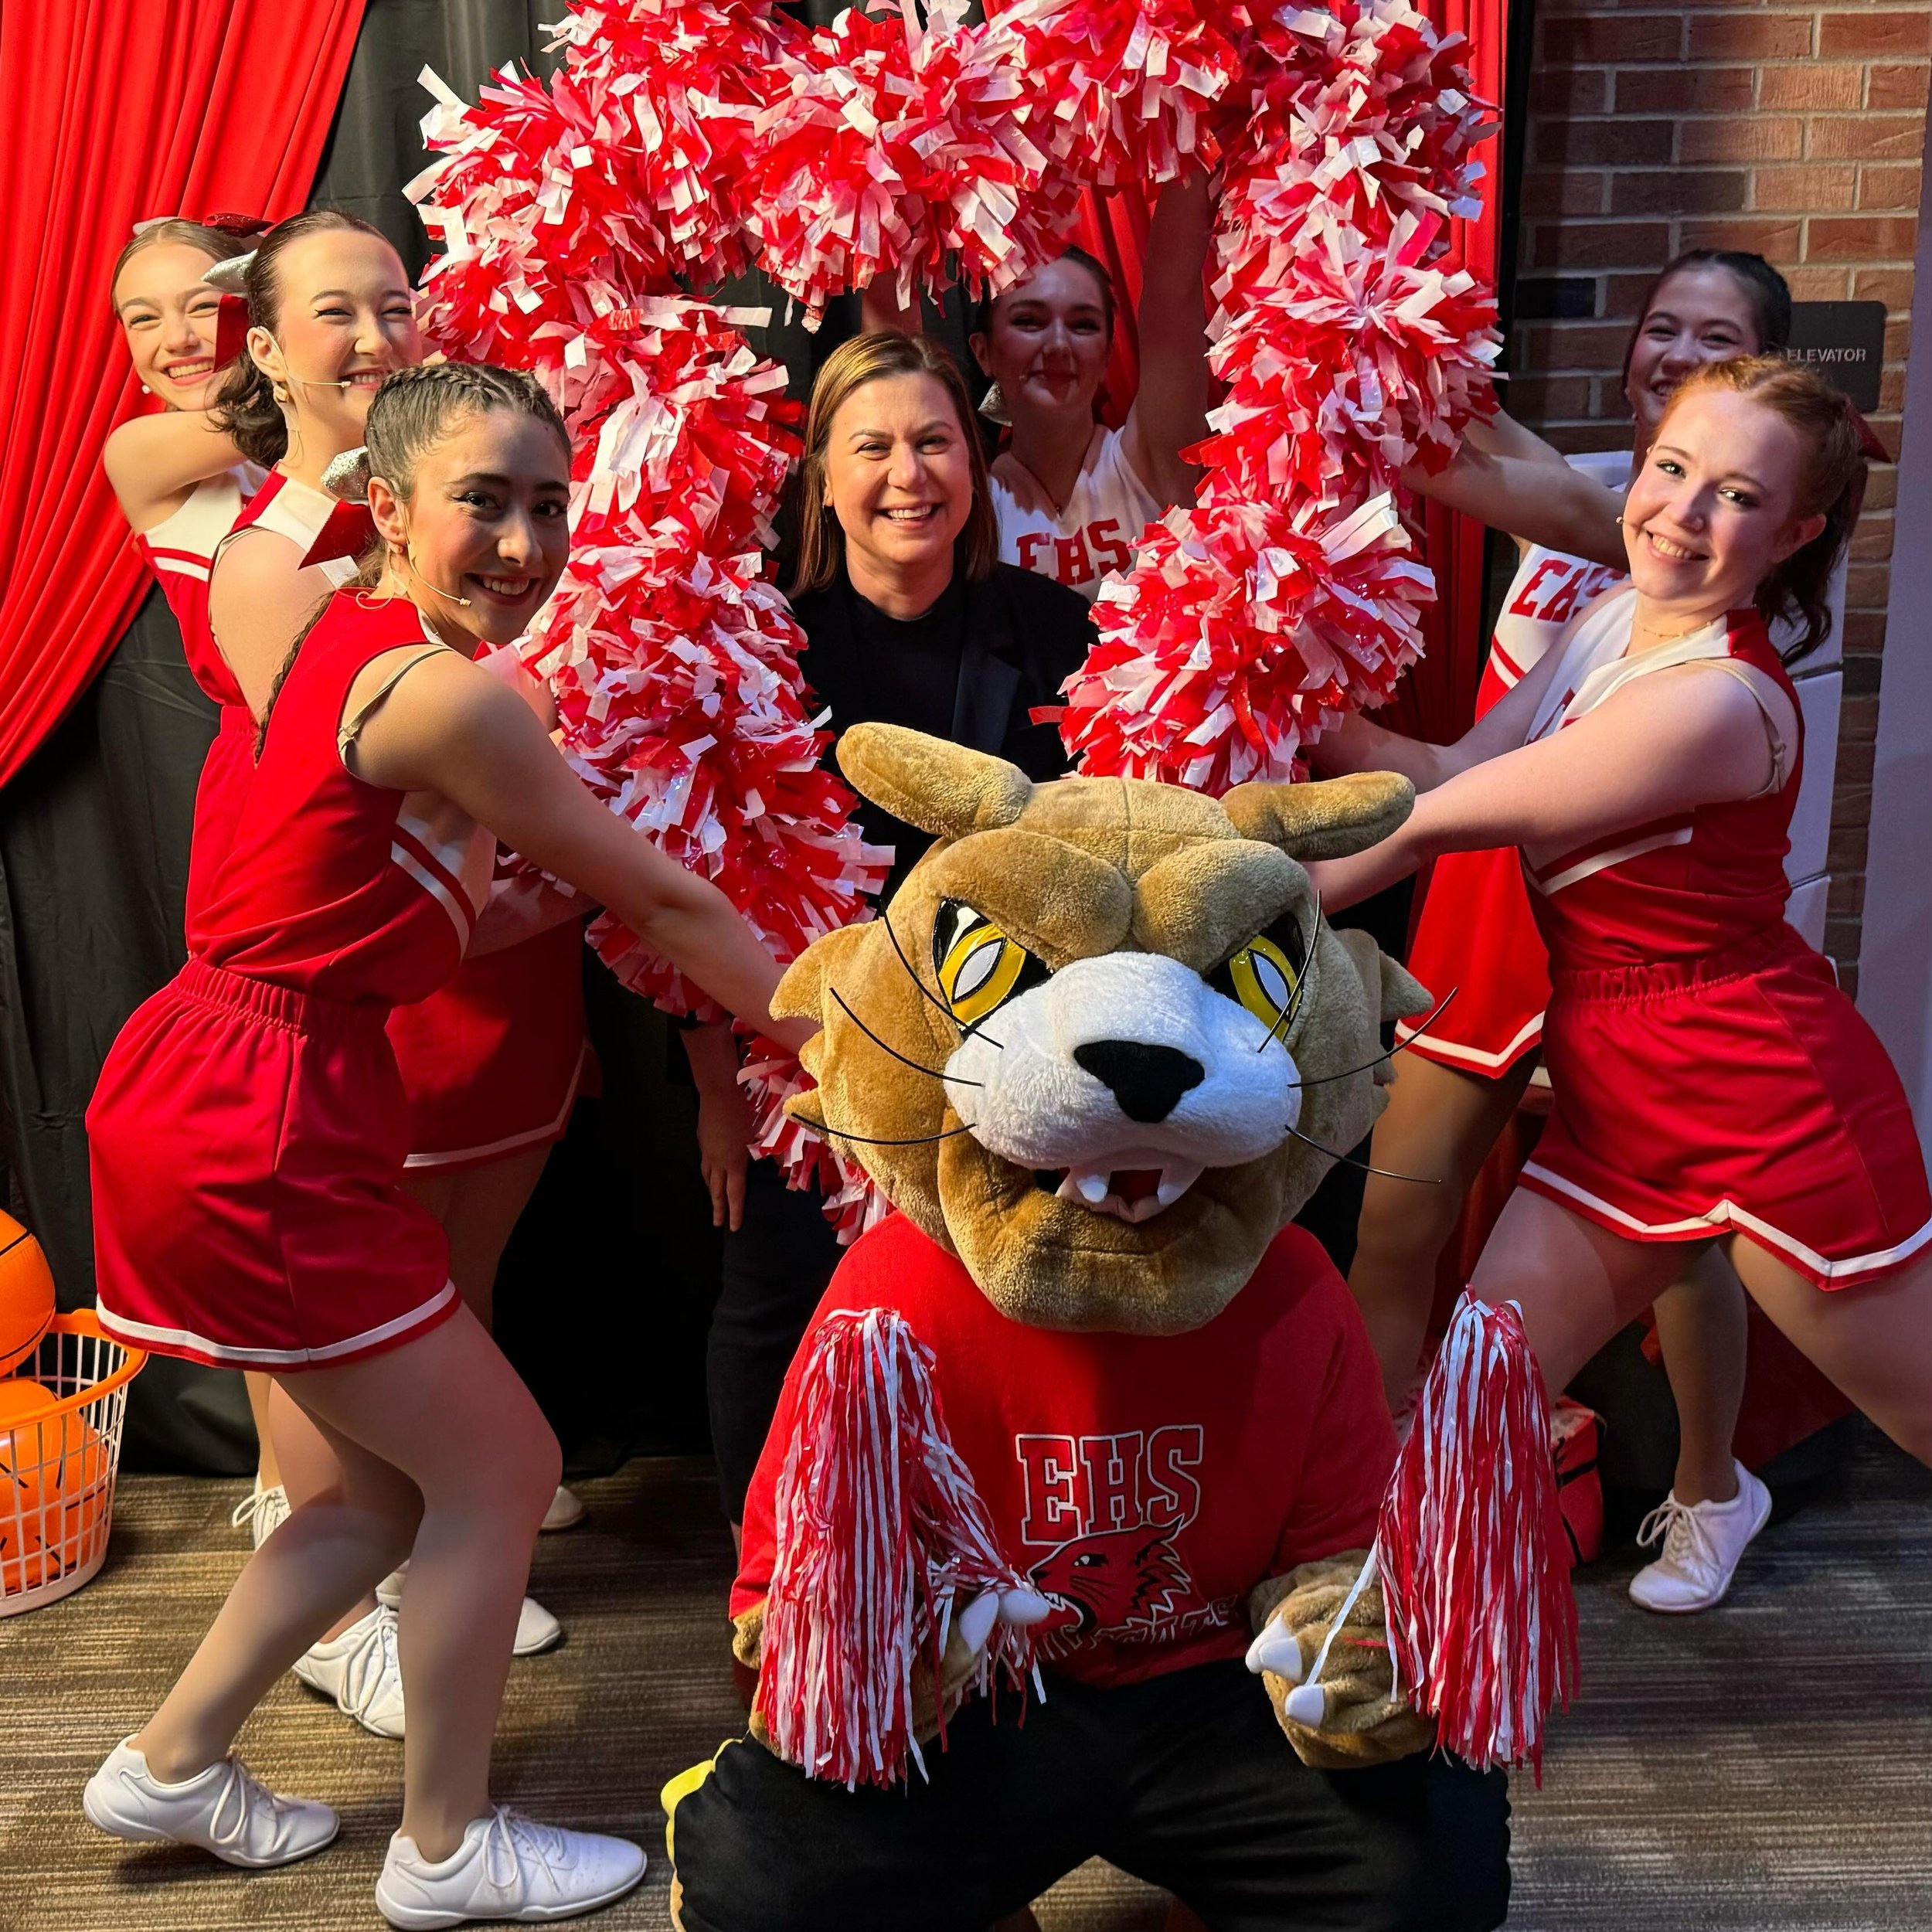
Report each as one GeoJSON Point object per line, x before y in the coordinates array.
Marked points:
{"type": "Point", "coordinates": [971, 669]}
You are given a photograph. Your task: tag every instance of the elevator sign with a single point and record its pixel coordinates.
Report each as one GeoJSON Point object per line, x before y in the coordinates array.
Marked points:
{"type": "Point", "coordinates": [1845, 342]}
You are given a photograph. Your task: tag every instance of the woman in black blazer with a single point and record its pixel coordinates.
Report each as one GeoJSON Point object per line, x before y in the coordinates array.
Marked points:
{"type": "Point", "coordinates": [910, 619]}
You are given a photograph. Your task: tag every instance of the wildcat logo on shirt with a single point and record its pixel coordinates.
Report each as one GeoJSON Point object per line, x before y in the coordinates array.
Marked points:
{"type": "Point", "coordinates": [1111, 1507]}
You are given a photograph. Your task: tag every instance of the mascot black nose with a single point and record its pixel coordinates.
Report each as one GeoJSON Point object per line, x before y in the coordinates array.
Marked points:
{"type": "Point", "coordinates": [1148, 1081]}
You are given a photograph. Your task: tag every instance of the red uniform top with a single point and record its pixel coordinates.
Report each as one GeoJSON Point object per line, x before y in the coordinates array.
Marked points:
{"type": "Point", "coordinates": [1698, 882]}
{"type": "Point", "coordinates": [331, 884]}
{"type": "Point", "coordinates": [1146, 1483]}
{"type": "Point", "coordinates": [292, 510]}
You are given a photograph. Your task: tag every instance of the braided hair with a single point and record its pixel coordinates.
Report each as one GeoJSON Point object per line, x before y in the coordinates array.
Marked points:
{"type": "Point", "coordinates": [245, 407]}
{"type": "Point", "coordinates": [416, 408]}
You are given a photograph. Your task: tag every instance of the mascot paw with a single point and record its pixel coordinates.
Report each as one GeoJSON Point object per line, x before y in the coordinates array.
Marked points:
{"type": "Point", "coordinates": [1353, 1716]}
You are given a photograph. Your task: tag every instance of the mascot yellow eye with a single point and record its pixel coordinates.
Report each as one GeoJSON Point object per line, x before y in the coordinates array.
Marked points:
{"type": "Point", "coordinates": [979, 967]}
{"type": "Point", "coordinates": [1267, 975]}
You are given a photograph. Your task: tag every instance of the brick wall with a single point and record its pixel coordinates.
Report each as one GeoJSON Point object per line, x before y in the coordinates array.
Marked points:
{"type": "Point", "coordinates": [1796, 131]}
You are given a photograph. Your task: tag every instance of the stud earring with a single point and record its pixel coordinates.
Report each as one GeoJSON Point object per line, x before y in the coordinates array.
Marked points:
{"type": "Point", "coordinates": [145, 390]}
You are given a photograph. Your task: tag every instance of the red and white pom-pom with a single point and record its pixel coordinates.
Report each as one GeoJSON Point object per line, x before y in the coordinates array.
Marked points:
{"type": "Point", "coordinates": [1361, 363]}
{"type": "Point", "coordinates": [1122, 93]}
{"type": "Point", "coordinates": [882, 1540]}
{"type": "Point", "coordinates": [1475, 1569]}
{"type": "Point", "coordinates": [901, 153]}
{"type": "Point", "coordinates": [1238, 635]}
{"type": "Point", "coordinates": [853, 1203]}
{"type": "Point", "coordinates": [677, 684]}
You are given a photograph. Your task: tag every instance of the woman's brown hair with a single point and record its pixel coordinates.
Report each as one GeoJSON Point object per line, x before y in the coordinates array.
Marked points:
{"type": "Point", "coordinates": [1832, 483]}
{"type": "Point", "coordinates": [874, 359]}
{"type": "Point", "coordinates": [214, 243]}
{"type": "Point", "coordinates": [245, 407]}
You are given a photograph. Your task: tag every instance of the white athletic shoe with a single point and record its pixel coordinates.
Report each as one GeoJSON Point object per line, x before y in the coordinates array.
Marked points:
{"type": "Point", "coordinates": [1703, 1542]}
{"type": "Point", "coordinates": [362, 1671]}
{"type": "Point", "coordinates": [566, 1509]}
{"type": "Point", "coordinates": [223, 1810]}
{"type": "Point", "coordinates": [262, 1513]}
{"type": "Point", "coordinates": [507, 1867]}
{"type": "Point", "coordinates": [536, 1629]}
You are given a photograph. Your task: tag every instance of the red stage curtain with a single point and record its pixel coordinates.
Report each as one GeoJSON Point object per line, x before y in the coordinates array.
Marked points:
{"type": "Point", "coordinates": [116, 110]}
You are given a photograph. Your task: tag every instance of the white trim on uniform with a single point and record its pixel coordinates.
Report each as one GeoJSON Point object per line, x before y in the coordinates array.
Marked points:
{"type": "Point", "coordinates": [180, 564]}
{"type": "Point", "coordinates": [461, 916]}
{"type": "Point", "coordinates": [1728, 1214]}
{"type": "Point", "coordinates": [510, 1142]}
{"type": "Point", "coordinates": [145, 1334]}
{"type": "Point", "coordinates": [1428, 1044]}
{"type": "Point", "coordinates": [1603, 860]}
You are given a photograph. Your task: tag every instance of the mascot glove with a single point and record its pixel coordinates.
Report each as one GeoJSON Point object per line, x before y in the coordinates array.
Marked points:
{"type": "Point", "coordinates": [966, 1642]}
{"type": "Point", "coordinates": [1355, 1716]}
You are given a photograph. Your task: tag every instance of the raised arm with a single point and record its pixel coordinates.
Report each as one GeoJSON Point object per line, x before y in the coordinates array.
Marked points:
{"type": "Point", "coordinates": [1170, 407]}
{"type": "Point", "coordinates": [1535, 500]}
{"type": "Point", "coordinates": [154, 461]}
{"type": "Point", "coordinates": [1663, 745]}
{"type": "Point", "coordinates": [451, 728]}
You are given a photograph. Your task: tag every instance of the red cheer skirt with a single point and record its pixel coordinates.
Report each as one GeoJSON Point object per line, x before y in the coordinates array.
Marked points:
{"type": "Point", "coordinates": [491, 1061]}
{"type": "Point", "coordinates": [1477, 937]}
{"type": "Point", "coordinates": [246, 1142]}
{"type": "Point", "coordinates": [1740, 1093]}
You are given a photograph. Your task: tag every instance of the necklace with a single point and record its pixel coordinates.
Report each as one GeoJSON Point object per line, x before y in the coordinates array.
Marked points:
{"type": "Point", "coordinates": [1660, 637]}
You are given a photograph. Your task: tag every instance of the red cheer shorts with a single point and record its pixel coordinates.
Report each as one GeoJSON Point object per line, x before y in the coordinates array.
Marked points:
{"type": "Point", "coordinates": [246, 1142]}
{"type": "Point", "coordinates": [1740, 1093]}
{"type": "Point", "coordinates": [1477, 938]}
{"type": "Point", "coordinates": [492, 1060]}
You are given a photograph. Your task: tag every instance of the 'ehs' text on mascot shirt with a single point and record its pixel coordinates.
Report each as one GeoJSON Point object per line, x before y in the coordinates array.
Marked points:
{"type": "Point", "coordinates": [1146, 1483]}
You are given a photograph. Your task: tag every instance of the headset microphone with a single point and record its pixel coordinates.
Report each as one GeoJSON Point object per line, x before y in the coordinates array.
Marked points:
{"type": "Point", "coordinates": [409, 563]}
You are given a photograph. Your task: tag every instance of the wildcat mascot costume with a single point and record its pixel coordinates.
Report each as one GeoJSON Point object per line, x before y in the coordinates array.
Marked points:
{"type": "Point", "coordinates": [1085, 1437]}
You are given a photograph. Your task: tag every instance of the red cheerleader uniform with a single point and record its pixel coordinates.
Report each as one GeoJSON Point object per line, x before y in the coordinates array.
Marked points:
{"type": "Point", "coordinates": [292, 510]}
{"type": "Point", "coordinates": [1476, 935]}
{"type": "Point", "coordinates": [492, 1060]}
{"type": "Point", "coordinates": [249, 1129]}
{"type": "Point", "coordinates": [1708, 1075]}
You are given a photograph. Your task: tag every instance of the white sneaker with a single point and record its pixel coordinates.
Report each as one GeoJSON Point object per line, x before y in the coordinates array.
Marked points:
{"type": "Point", "coordinates": [223, 1809]}
{"type": "Point", "coordinates": [566, 1509]}
{"type": "Point", "coordinates": [262, 1513]}
{"type": "Point", "coordinates": [536, 1629]}
{"type": "Point", "coordinates": [1703, 1542]}
{"type": "Point", "coordinates": [507, 1867]}
{"type": "Point", "coordinates": [361, 1670]}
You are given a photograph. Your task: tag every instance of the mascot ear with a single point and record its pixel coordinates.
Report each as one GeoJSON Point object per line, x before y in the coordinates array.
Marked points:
{"type": "Point", "coordinates": [940, 787]}
{"type": "Point", "coordinates": [1328, 818]}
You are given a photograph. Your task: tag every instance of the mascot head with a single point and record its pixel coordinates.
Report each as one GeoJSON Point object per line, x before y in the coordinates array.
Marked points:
{"type": "Point", "coordinates": [1102, 1045]}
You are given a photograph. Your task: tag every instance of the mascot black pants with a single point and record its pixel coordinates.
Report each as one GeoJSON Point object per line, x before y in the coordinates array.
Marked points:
{"type": "Point", "coordinates": [1185, 1781]}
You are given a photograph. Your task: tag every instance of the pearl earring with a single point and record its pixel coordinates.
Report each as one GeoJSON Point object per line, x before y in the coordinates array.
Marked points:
{"type": "Point", "coordinates": [145, 390]}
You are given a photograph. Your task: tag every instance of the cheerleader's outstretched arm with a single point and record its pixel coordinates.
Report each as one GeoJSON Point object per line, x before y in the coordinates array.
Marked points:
{"type": "Point", "coordinates": [1171, 404]}
{"type": "Point", "coordinates": [449, 726]}
{"type": "Point", "coordinates": [154, 461]}
{"type": "Point", "coordinates": [1536, 501]}
{"type": "Point", "coordinates": [1664, 745]}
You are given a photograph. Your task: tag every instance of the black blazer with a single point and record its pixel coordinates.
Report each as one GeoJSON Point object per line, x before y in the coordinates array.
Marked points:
{"type": "Point", "coordinates": [1024, 636]}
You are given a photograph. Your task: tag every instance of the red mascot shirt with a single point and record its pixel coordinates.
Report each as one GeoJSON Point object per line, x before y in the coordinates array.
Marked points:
{"type": "Point", "coordinates": [1146, 1483]}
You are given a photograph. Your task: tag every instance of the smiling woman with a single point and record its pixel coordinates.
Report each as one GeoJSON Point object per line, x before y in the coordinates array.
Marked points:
{"type": "Point", "coordinates": [909, 619]}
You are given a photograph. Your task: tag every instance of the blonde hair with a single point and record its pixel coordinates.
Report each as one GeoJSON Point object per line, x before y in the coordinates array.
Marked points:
{"type": "Point", "coordinates": [873, 359]}
{"type": "Point", "coordinates": [1832, 483]}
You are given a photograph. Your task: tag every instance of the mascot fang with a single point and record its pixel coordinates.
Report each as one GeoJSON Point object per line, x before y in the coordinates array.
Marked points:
{"type": "Point", "coordinates": [1087, 1412]}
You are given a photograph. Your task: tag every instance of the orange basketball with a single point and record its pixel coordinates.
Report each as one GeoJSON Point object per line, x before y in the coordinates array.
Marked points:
{"type": "Point", "coordinates": [27, 1292]}
{"type": "Point", "coordinates": [53, 1498]}
{"type": "Point", "coordinates": [21, 1401]}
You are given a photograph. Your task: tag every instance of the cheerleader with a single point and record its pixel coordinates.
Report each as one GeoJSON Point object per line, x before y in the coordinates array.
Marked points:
{"type": "Point", "coordinates": [332, 314]}
{"type": "Point", "coordinates": [277, 1232]}
{"type": "Point", "coordinates": [1712, 1084]}
{"type": "Point", "coordinates": [1071, 496]}
{"type": "Point", "coordinates": [1467, 1073]}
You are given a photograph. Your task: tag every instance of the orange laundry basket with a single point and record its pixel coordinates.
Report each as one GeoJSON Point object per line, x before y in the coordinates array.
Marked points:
{"type": "Point", "coordinates": [61, 1415]}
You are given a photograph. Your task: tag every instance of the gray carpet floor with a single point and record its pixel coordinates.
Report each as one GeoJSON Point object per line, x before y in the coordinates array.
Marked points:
{"type": "Point", "coordinates": [1768, 1765]}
